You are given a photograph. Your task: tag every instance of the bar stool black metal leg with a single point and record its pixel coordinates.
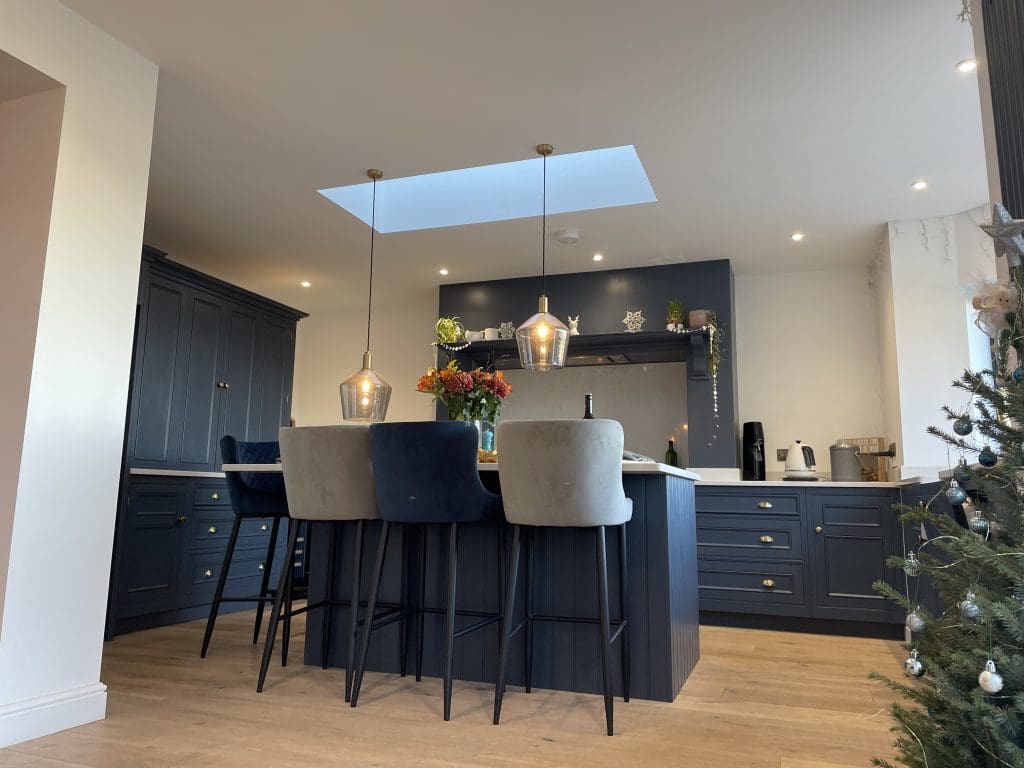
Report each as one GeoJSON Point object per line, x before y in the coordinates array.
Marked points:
{"type": "Point", "coordinates": [371, 608]}
{"type": "Point", "coordinates": [221, 581]}
{"type": "Point", "coordinates": [624, 611]}
{"type": "Point", "coordinates": [528, 643]}
{"type": "Point", "coordinates": [506, 626]}
{"type": "Point", "coordinates": [353, 610]}
{"type": "Point", "coordinates": [327, 614]}
{"type": "Point", "coordinates": [602, 588]}
{"type": "Point", "coordinates": [449, 619]}
{"type": "Point", "coordinates": [289, 562]}
{"type": "Point", "coordinates": [265, 583]}
{"type": "Point", "coordinates": [403, 600]}
{"type": "Point", "coordinates": [421, 601]}
{"type": "Point", "coordinates": [275, 614]}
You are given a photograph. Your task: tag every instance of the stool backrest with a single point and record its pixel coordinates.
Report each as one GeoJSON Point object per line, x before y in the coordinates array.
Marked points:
{"type": "Point", "coordinates": [562, 473]}
{"type": "Point", "coordinates": [327, 472]}
{"type": "Point", "coordinates": [426, 472]}
{"type": "Point", "coordinates": [253, 494]}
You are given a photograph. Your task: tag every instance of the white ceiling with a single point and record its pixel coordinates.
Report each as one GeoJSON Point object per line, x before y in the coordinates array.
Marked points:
{"type": "Point", "coordinates": [752, 118]}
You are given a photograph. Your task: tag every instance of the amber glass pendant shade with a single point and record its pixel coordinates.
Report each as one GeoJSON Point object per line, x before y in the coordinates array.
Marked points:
{"type": "Point", "coordinates": [542, 340]}
{"type": "Point", "coordinates": [365, 395]}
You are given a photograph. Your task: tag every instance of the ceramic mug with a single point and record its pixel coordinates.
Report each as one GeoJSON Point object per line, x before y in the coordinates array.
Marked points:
{"type": "Point", "coordinates": [491, 334]}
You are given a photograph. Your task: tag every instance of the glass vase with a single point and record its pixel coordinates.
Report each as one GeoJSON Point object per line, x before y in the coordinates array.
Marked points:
{"type": "Point", "coordinates": [486, 432]}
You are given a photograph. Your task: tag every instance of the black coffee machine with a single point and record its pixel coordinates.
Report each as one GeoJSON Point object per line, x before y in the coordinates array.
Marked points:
{"type": "Point", "coordinates": [753, 451]}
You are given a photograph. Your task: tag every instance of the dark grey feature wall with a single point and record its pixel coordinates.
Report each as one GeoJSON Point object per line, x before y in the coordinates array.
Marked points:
{"type": "Point", "coordinates": [601, 300]}
{"type": "Point", "coordinates": [1004, 43]}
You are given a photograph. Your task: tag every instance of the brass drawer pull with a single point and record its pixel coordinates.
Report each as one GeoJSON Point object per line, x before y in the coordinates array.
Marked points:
{"type": "Point", "coordinates": [768, 584]}
{"type": "Point", "coordinates": [817, 529]}
{"type": "Point", "coordinates": [214, 495]}
{"type": "Point", "coordinates": [766, 539]}
{"type": "Point", "coordinates": [764, 505]}
{"type": "Point", "coordinates": [181, 519]}
{"type": "Point", "coordinates": [223, 385]}
{"type": "Point", "coordinates": [212, 529]}
{"type": "Point", "coordinates": [208, 573]}
{"type": "Point", "coordinates": [263, 527]}
{"type": "Point", "coordinates": [262, 566]}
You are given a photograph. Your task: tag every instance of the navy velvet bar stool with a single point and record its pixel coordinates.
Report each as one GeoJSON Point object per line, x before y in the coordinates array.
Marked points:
{"type": "Point", "coordinates": [425, 473]}
{"type": "Point", "coordinates": [252, 494]}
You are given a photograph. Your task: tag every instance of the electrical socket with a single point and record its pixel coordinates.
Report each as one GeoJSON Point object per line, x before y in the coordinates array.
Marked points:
{"type": "Point", "coordinates": [780, 454]}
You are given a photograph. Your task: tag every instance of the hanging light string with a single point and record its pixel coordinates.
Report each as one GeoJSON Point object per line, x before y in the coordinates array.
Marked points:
{"type": "Point", "coordinates": [544, 225]}
{"type": "Point", "coordinates": [373, 227]}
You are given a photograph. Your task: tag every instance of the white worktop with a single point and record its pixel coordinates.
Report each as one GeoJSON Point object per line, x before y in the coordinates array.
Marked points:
{"type": "Point", "coordinates": [810, 483]}
{"type": "Point", "coordinates": [628, 468]}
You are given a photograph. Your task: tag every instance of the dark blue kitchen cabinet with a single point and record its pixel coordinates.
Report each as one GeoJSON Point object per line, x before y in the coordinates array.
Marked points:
{"type": "Point", "coordinates": [210, 359]}
{"type": "Point", "coordinates": [852, 533]}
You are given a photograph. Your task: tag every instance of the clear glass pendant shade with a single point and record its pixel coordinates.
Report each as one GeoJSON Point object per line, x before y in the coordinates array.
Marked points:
{"type": "Point", "coordinates": [542, 340]}
{"type": "Point", "coordinates": [365, 395]}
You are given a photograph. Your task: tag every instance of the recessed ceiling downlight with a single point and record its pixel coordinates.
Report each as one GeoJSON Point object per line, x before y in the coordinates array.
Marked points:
{"type": "Point", "coordinates": [443, 271]}
{"type": "Point", "coordinates": [305, 283]}
{"type": "Point", "coordinates": [967, 65]}
{"type": "Point", "coordinates": [598, 257]}
{"type": "Point", "coordinates": [919, 185]}
{"type": "Point", "coordinates": [796, 237]}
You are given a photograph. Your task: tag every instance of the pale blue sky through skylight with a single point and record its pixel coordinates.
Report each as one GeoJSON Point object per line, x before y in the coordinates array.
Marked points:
{"type": "Point", "coordinates": [580, 181]}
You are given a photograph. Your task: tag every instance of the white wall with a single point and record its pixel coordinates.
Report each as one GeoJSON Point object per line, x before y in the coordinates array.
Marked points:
{"type": "Point", "coordinates": [924, 279]}
{"type": "Point", "coordinates": [51, 638]}
{"type": "Point", "coordinates": [808, 359]}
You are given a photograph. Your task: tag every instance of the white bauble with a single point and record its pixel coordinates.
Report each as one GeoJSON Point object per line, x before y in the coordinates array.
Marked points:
{"type": "Point", "coordinates": [990, 680]}
{"type": "Point", "coordinates": [915, 621]}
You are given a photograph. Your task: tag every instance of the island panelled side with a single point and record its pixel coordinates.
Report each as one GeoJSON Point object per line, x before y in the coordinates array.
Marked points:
{"type": "Point", "coordinates": [210, 359]}
{"type": "Point", "coordinates": [662, 575]}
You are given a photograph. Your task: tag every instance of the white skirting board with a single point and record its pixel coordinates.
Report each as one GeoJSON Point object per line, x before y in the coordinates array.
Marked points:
{"type": "Point", "coordinates": [33, 718]}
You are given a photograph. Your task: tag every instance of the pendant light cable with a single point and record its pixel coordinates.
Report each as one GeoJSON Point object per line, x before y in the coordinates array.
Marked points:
{"type": "Point", "coordinates": [373, 174]}
{"type": "Point", "coordinates": [544, 227]}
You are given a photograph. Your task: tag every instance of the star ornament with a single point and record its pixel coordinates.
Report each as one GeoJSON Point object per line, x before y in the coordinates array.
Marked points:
{"type": "Point", "coordinates": [1006, 233]}
{"type": "Point", "coordinates": [634, 320]}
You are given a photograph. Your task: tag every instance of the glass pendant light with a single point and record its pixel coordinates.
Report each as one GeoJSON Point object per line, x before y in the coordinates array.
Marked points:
{"type": "Point", "coordinates": [364, 394]}
{"type": "Point", "coordinates": [543, 339]}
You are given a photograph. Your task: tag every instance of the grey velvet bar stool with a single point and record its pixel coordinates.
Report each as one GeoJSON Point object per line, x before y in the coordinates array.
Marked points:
{"type": "Point", "coordinates": [564, 474]}
{"type": "Point", "coordinates": [328, 479]}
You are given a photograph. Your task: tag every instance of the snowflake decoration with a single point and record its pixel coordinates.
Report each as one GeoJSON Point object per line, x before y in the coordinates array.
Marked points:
{"type": "Point", "coordinates": [507, 331]}
{"type": "Point", "coordinates": [634, 320]}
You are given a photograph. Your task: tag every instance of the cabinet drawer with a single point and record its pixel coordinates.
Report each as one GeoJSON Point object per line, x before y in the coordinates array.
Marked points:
{"type": "Point", "coordinates": [731, 536]}
{"type": "Point", "coordinates": [211, 528]}
{"type": "Point", "coordinates": [211, 493]}
{"type": "Point", "coordinates": [769, 501]}
{"type": "Point", "coordinates": [733, 585]}
{"type": "Point", "coordinates": [243, 579]}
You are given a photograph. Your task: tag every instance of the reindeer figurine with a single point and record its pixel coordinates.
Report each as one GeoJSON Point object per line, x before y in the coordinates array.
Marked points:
{"type": "Point", "coordinates": [574, 325]}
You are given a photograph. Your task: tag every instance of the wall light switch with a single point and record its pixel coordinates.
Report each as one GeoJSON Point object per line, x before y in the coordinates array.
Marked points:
{"type": "Point", "coordinates": [780, 454]}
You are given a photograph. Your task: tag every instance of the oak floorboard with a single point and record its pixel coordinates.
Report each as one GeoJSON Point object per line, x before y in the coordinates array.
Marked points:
{"type": "Point", "coordinates": [757, 699]}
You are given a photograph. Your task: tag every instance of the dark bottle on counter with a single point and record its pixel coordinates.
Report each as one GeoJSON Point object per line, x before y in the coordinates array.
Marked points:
{"type": "Point", "coordinates": [671, 457]}
{"type": "Point", "coordinates": [588, 406]}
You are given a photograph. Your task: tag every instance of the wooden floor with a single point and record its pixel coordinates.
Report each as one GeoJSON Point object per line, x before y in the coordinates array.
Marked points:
{"type": "Point", "coordinates": [757, 698]}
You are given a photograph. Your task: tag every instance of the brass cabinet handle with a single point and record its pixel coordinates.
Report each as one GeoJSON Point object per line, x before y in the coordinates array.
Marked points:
{"type": "Point", "coordinates": [817, 529]}
{"type": "Point", "coordinates": [212, 529]}
{"type": "Point", "coordinates": [223, 385]}
{"type": "Point", "coordinates": [262, 566]}
{"type": "Point", "coordinates": [766, 539]}
{"type": "Point", "coordinates": [764, 505]}
{"type": "Point", "coordinates": [208, 572]}
{"type": "Point", "coordinates": [768, 584]}
{"type": "Point", "coordinates": [181, 519]}
{"type": "Point", "coordinates": [227, 385]}
{"type": "Point", "coordinates": [263, 527]}
{"type": "Point", "coordinates": [214, 495]}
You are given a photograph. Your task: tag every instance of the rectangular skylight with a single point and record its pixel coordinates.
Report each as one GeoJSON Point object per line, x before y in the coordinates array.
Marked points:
{"type": "Point", "coordinates": [580, 181]}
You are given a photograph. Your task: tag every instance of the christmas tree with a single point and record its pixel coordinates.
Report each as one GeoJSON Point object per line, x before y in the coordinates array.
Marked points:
{"type": "Point", "coordinates": [963, 699]}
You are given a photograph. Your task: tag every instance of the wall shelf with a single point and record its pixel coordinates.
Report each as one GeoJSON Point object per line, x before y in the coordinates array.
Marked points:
{"type": "Point", "coordinates": [690, 346]}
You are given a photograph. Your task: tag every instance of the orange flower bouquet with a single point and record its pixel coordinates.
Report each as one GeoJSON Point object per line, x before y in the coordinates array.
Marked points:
{"type": "Point", "coordinates": [474, 395]}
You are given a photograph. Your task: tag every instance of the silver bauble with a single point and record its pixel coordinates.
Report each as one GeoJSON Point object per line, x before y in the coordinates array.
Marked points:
{"type": "Point", "coordinates": [911, 565]}
{"type": "Point", "coordinates": [915, 621]}
{"type": "Point", "coordinates": [979, 524]}
{"type": "Point", "coordinates": [969, 607]}
{"type": "Point", "coordinates": [913, 665]}
{"type": "Point", "coordinates": [990, 680]}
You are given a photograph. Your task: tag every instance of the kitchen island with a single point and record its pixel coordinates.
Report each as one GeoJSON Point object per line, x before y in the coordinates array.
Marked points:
{"type": "Point", "coordinates": [662, 575]}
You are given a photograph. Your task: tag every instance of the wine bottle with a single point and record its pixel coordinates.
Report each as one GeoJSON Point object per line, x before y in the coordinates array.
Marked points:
{"type": "Point", "coordinates": [671, 457]}
{"type": "Point", "coordinates": [588, 406]}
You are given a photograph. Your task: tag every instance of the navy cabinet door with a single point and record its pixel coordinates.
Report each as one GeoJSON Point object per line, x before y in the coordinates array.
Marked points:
{"type": "Point", "coordinates": [154, 531]}
{"type": "Point", "coordinates": [277, 362]}
{"type": "Point", "coordinates": [851, 535]}
{"type": "Point", "coordinates": [154, 440]}
{"type": "Point", "coordinates": [196, 404]}
{"type": "Point", "coordinates": [241, 374]}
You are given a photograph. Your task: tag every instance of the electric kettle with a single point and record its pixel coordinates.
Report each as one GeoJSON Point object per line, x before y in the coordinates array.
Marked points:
{"type": "Point", "coordinates": [800, 462]}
